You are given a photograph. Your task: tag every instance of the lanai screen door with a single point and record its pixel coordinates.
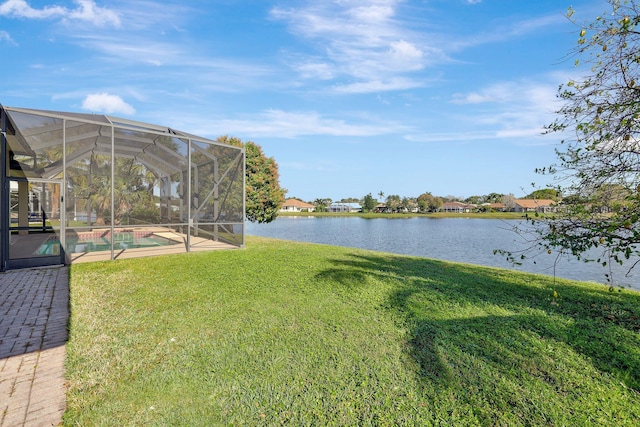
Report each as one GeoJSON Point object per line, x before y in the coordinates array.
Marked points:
{"type": "Point", "coordinates": [35, 223]}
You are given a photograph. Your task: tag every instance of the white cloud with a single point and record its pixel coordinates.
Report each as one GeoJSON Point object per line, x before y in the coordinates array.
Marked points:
{"type": "Point", "coordinates": [315, 70]}
{"type": "Point", "coordinates": [89, 12]}
{"type": "Point", "coordinates": [21, 9]}
{"type": "Point", "coordinates": [497, 93]}
{"type": "Point", "coordinates": [520, 133]}
{"type": "Point", "coordinates": [106, 103]}
{"type": "Point", "coordinates": [502, 31]}
{"type": "Point", "coordinates": [4, 36]}
{"type": "Point", "coordinates": [86, 11]}
{"type": "Point", "coordinates": [398, 83]}
{"type": "Point", "coordinates": [373, 13]}
{"type": "Point", "coordinates": [362, 41]}
{"type": "Point", "coordinates": [451, 136]}
{"type": "Point", "coordinates": [523, 94]}
{"type": "Point", "coordinates": [406, 54]}
{"type": "Point", "coordinates": [179, 61]}
{"type": "Point", "coordinates": [132, 49]}
{"type": "Point", "coordinates": [292, 124]}
{"type": "Point", "coordinates": [524, 136]}
{"type": "Point", "coordinates": [511, 110]}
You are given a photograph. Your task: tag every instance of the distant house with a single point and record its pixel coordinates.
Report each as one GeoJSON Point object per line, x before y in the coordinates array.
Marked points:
{"type": "Point", "coordinates": [382, 208]}
{"type": "Point", "coordinates": [457, 207]}
{"type": "Point", "coordinates": [344, 207]}
{"type": "Point", "coordinates": [499, 207]}
{"type": "Point", "coordinates": [295, 205]}
{"type": "Point", "coordinates": [533, 205]}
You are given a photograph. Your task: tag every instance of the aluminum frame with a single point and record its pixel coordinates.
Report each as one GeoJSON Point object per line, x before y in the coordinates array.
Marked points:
{"type": "Point", "coordinates": [165, 154]}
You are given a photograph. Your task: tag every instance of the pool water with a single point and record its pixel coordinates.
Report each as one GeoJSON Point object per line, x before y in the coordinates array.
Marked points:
{"type": "Point", "coordinates": [122, 241]}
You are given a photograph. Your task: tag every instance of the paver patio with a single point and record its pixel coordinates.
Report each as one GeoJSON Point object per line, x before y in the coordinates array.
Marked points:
{"type": "Point", "coordinates": [34, 315]}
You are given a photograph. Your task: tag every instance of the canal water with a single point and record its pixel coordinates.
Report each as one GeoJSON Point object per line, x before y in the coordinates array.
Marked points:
{"type": "Point", "coordinates": [466, 240]}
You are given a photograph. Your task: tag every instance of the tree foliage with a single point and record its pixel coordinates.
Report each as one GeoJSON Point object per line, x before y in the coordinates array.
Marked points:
{"type": "Point", "coordinates": [394, 202]}
{"type": "Point", "coordinates": [429, 203]}
{"type": "Point", "coordinates": [264, 196]}
{"type": "Point", "coordinates": [409, 204]}
{"type": "Point", "coordinates": [368, 203]}
{"type": "Point", "coordinates": [509, 201]}
{"type": "Point", "coordinates": [349, 200]}
{"type": "Point", "coordinates": [322, 204]}
{"type": "Point", "coordinates": [475, 200]}
{"type": "Point", "coordinates": [598, 167]}
{"type": "Point", "coordinates": [544, 193]}
{"type": "Point", "coordinates": [493, 198]}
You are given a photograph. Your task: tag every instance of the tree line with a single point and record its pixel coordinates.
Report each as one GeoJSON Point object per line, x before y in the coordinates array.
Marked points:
{"type": "Point", "coordinates": [427, 202]}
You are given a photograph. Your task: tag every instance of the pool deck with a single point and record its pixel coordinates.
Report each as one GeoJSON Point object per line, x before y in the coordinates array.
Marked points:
{"type": "Point", "coordinates": [197, 245]}
{"type": "Point", "coordinates": [24, 246]}
{"type": "Point", "coordinates": [34, 315]}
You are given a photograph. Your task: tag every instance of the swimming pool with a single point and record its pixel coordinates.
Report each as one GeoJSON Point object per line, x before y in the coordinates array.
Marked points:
{"type": "Point", "coordinates": [91, 243]}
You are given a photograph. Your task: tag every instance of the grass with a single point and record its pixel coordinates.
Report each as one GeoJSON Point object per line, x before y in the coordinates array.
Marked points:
{"type": "Point", "coordinates": [286, 333]}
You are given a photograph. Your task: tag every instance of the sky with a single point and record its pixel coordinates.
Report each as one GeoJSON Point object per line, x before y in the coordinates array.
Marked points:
{"type": "Point", "coordinates": [349, 97]}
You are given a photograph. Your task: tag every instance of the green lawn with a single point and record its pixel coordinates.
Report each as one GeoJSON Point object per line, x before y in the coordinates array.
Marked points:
{"type": "Point", "coordinates": [285, 333]}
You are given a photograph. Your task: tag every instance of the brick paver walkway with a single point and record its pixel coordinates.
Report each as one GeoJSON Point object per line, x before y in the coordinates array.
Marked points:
{"type": "Point", "coordinates": [34, 313]}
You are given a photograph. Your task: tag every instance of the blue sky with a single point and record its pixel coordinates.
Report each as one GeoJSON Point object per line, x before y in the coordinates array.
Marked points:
{"type": "Point", "coordinates": [349, 96]}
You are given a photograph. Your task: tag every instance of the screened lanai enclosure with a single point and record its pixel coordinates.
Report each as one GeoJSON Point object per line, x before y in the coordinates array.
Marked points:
{"type": "Point", "coordinates": [81, 187]}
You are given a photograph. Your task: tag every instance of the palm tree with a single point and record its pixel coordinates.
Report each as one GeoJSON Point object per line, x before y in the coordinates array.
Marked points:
{"type": "Point", "coordinates": [320, 204]}
{"type": "Point", "coordinates": [133, 192]}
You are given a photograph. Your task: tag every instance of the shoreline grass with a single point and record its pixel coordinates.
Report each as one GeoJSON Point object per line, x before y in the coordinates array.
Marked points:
{"type": "Point", "coordinates": [303, 334]}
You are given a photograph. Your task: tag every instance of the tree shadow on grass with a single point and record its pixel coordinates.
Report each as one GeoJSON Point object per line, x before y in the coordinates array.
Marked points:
{"type": "Point", "coordinates": [498, 316]}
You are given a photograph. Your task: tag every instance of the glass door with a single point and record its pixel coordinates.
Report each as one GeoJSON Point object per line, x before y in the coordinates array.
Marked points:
{"type": "Point", "coordinates": [35, 212]}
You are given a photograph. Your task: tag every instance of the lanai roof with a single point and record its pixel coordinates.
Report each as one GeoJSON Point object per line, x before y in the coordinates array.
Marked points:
{"type": "Point", "coordinates": [87, 134]}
